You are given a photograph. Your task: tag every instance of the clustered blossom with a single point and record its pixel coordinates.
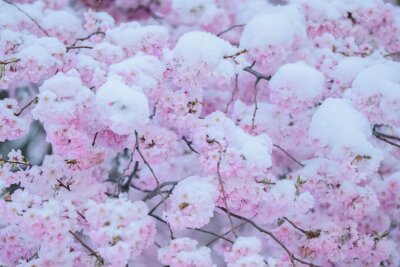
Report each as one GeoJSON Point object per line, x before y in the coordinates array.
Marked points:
{"type": "Point", "coordinates": [119, 227]}
{"type": "Point", "coordinates": [245, 252]}
{"type": "Point", "coordinates": [192, 203]}
{"type": "Point", "coordinates": [12, 126]}
{"type": "Point", "coordinates": [183, 252]}
{"type": "Point", "coordinates": [199, 133]}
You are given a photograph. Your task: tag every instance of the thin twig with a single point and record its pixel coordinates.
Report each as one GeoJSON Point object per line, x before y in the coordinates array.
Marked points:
{"type": "Point", "coordinates": [94, 139]}
{"type": "Point", "coordinates": [92, 252]}
{"type": "Point", "coordinates": [258, 75]}
{"type": "Point", "coordinates": [295, 226]}
{"type": "Point", "coordinates": [292, 257]}
{"type": "Point", "coordinates": [78, 47]}
{"type": "Point", "coordinates": [253, 118]}
{"type": "Point", "coordinates": [33, 101]}
{"type": "Point", "coordinates": [194, 229]}
{"type": "Point", "coordinates": [233, 94]}
{"type": "Point", "coordinates": [88, 37]}
{"type": "Point", "coordinates": [155, 192]}
{"type": "Point", "coordinates": [15, 162]}
{"type": "Point", "coordinates": [385, 137]}
{"type": "Point", "coordinates": [189, 144]}
{"type": "Point", "coordinates": [149, 11]}
{"type": "Point", "coordinates": [221, 184]}
{"type": "Point", "coordinates": [10, 190]}
{"type": "Point", "coordinates": [211, 233]}
{"type": "Point", "coordinates": [9, 61]}
{"type": "Point", "coordinates": [387, 141]}
{"type": "Point", "coordinates": [224, 234]}
{"type": "Point", "coordinates": [310, 233]}
{"type": "Point", "coordinates": [29, 16]}
{"type": "Point", "coordinates": [154, 176]}
{"type": "Point", "coordinates": [287, 154]}
{"type": "Point", "coordinates": [63, 185]}
{"type": "Point", "coordinates": [231, 28]}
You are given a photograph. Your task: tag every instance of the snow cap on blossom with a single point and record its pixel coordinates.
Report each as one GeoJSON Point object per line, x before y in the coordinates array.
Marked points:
{"type": "Point", "coordinates": [271, 36]}
{"type": "Point", "coordinates": [206, 13]}
{"type": "Point", "coordinates": [192, 203]}
{"type": "Point", "coordinates": [98, 21]}
{"type": "Point", "coordinates": [342, 128]}
{"type": "Point", "coordinates": [60, 98]}
{"type": "Point", "coordinates": [244, 153]}
{"type": "Point", "coordinates": [282, 196]}
{"type": "Point", "coordinates": [182, 252]}
{"type": "Point", "coordinates": [63, 31]}
{"type": "Point", "coordinates": [120, 229]}
{"type": "Point", "coordinates": [141, 70]}
{"type": "Point", "coordinates": [376, 93]}
{"type": "Point", "coordinates": [244, 252]}
{"type": "Point", "coordinates": [347, 69]}
{"type": "Point", "coordinates": [296, 86]}
{"type": "Point", "coordinates": [123, 108]}
{"type": "Point", "coordinates": [133, 38]}
{"type": "Point", "coordinates": [201, 57]}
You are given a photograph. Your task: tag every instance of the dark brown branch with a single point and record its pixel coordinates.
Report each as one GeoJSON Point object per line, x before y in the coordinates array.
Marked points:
{"type": "Point", "coordinates": [258, 75]}
{"type": "Point", "coordinates": [126, 181]}
{"type": "Point", "coordinates": [11, 189]}
{"type": "Point", "coordinates": [88, 37]}
{"type": "Point", "coordinates": [159, 203]}
{"type": "Point", "coordinates": [81, 215]}
{"type": "Point", "coordinates": [211, 233]}
{"type": "Point", "coordinates": [310, 233]}
{"type": "Point", "coordinates": [92, 252]}
{"type": "Point", "coordinates": [226, 233]}
{"type": "Point", "coordinates": [194, 229]}
{"type": "Point", "coordinates": [253, 118]}
{"type": "Point", "coordinates": [234, 56]}
{"type": "Point", "coordinates": [9, 61]}
{"type": "Point", "coordinates": [78, 47]}
{"type": "Point", "coordinates": [292, 257]}
{"type": "Point", "coordinates": [387, 141]}
{"type": "Point", "coordinates": [33, 101]}
{"type": "Point", "coordinates": [63, 185]}
{"type": "Point", "coordinates": [221, 184]}
{"type": "Point", "coordinates": [189, 144]}
{"type": "Point", "coordinates": [154, 176]}
{"type": "Point", "coordinates": [29, 16]}
{"type": "Point", "coordinates": [385, 137]}
{"type": "Point", "coordinates": [15, 162]}
{"type": "Point", "coordinates": [231, 28]}
{"type": "Point", "coordinates": [287, 154]}
{"type": "Point", "coordinates": [94, 139]}
{"type": "Point", "coordinates": [149, 11]}
{"type": "Point", "coordinates": [233, 94]}
{"type": "Point", "coordinates": [155, 192]}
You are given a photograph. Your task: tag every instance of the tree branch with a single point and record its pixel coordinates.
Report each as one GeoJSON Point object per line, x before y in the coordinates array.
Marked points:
{"type": "Point", "coordinates": [231, 28]}
{"type": "Point", "coordinates": [221, 184]}
{"type": "Point", "coordinates": [92, 252]}
{"type": "Point", "coordinates": [29, 16]}
{"type": "Point", "coordinates": [154, 176]}
{"type": "Point", "coordinates": [189, 144]}
{"type": "Point", "coordinates": [287, 154]}
{"type": "Point", "coordinates": [33, 101]}
{"type": "Point", "coordinates": [292, 257]}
